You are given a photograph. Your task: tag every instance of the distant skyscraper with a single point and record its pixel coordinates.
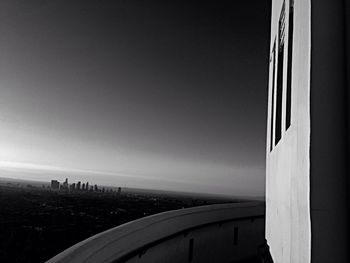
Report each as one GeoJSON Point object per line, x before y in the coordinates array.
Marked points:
{"type": "Point", "coordinates": [78, 185]}
{"type": "Point", "coordinates": [55, 184]}
{"type": "Point", "coordinates": [119, 190]}
{"type": "Point", "coordinates": [83, 187]}
{"type": "Point", "coordinates": [95, 187]}
{"type": "Point", "coordinates": [87, 186]}
{"type": "Point", "coordinates": [72, 187]}
{"type": "Point", "coordinates": [65, 184]}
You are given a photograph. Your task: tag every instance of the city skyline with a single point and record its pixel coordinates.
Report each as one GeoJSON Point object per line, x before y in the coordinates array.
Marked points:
{"type": "Point", "coordinates": [165, 95]}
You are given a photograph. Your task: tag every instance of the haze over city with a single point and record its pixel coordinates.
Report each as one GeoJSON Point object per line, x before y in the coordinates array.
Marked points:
{"type": "Point", "coordinates": [149, 94]}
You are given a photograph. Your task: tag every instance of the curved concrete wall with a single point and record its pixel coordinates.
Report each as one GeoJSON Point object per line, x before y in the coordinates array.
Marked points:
{"type": "Point", "coordinates": [220, 242]}
{"type": "Point", "coordinates": [215, 233]}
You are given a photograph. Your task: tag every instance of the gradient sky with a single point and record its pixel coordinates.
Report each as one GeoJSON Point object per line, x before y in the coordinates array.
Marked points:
{"type": "Point", "coordinates": [155, 94]}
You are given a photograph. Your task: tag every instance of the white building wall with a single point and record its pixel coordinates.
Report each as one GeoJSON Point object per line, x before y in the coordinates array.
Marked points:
{"type": "Point", "coordinates": [288, 230]}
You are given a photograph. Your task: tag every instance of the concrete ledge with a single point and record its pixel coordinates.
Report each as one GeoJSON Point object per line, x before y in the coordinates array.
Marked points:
{"type": "Point", "coordinates": [121, 243]}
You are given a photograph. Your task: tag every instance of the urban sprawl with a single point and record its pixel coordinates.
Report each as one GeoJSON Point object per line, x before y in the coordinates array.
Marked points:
{"type": "Point", "coordinates": [85, 187]}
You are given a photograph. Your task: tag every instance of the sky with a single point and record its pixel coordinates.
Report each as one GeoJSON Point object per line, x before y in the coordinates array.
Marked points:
{"type": "Point", "coordinates": [151, 94]}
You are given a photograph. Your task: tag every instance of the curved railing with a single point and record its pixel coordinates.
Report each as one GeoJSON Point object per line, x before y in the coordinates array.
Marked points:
{"type": "Point", "coordinates": [213, 233]}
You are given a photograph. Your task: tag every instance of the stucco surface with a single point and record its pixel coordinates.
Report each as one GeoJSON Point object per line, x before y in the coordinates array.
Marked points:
{"type": "Point", "coordinates": [288, 229]}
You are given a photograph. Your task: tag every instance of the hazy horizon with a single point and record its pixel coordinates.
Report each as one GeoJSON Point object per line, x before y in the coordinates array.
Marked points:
{"type": "Point", "coordinates": [168, 95]}
{"type": "Point", "coordinates": [39, 181]}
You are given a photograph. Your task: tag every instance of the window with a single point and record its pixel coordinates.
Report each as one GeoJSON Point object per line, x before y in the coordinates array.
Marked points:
{"type": "Point", "coordinates": [272, 93]}
{"type": "Point", "coordinates": [235, 236]}
{"type": "Point", "coordinates": [277, 86]}
{"type": "Point", "coordinates": [279, 94]}
{"type": "Point", "coordinates": [289, 69]}
{"type": "Point", "coordinates": [190, 250]}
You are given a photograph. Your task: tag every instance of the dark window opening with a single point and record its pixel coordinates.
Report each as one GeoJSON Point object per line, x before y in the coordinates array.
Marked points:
{"type": "Point", "coordinates": [278, 120]}
{"type": "Point", "coordinates": [289, 69]}
{"type": "Point", "coordinates": [272, 94]}
{"type": "Point", "coordinates": [235, 236]}
{"type": "Point", "coordinates": [278, 132]}
{"type": "Point", "coordinates": [190, 250]}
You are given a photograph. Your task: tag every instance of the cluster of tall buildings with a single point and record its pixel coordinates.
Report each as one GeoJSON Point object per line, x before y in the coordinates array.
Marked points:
{"type": "Point", "coordinates": [56, 185]}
